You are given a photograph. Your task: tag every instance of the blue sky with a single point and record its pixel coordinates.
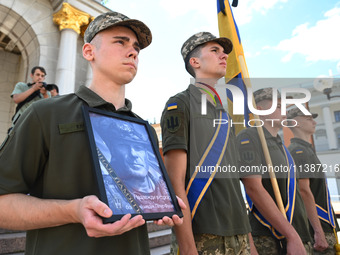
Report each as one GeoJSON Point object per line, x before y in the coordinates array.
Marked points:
{"type": "Point", "coordinates": [281, 39]}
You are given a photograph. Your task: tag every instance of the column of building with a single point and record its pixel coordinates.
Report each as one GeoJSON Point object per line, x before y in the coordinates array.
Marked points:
{"type": "Point", "coordinates": [331, 136]}
{"type": "Point", "coordinates": [70, 21]}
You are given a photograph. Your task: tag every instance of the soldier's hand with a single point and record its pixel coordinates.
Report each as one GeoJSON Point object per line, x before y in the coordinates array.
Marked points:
{"type": "Point", "coordinates": [175, 220]}
{"type": "Point", "coordinates": [320, 241]}
{"type": "Point", "coordinates": [90, 209]}
{"type": "Point", "coordinates": [295, 247]}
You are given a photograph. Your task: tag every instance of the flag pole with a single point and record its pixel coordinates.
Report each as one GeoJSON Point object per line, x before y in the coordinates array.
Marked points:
{"type": "Point", "coordinates": [272, 176]}
{"type": "Point", "coordinates": [259, 128]}
{"type": "Point", "coordinates": [230, 31]}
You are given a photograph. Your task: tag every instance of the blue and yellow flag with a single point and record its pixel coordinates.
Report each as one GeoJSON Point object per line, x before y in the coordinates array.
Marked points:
{"type": "Point", "coordinates": [237, 74]}
{"type": "Point", "coordinates": [237, 71]}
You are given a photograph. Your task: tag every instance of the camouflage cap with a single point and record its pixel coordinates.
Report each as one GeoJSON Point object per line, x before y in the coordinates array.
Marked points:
{"type": "Point", "coordinates": [110, 19]}
{"type": "Point", "coordinates": [127, 132]}
{"type": "Point", "coordinates": [113, 131]}
{"type": "Point", "coordinates": [264, 94]}
{"type": "Point", "coordinates": [204, 37]}
{"type": "Point", "coordinates": [297, 112]}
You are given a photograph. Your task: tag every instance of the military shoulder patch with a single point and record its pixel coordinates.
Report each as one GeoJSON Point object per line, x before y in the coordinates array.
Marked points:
{"type": "Point", "coordinates": [299, 151]}
{"type": "Point", "coordinates": [173, 122]}
{"type": "Point", "coordinates": [172, 106]}
{"type": "Point", "coordinates": [245, 141]}
{"type": "Point", "coordinates": [248, 156]}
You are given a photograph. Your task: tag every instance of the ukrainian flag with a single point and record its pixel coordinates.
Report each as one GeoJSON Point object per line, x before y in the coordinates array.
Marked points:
{"type": "Point", "coordinates": [245, 141]}
{"type": "Point", "coordinates": [237, 71]}
{"type": "Point", "coordinates": [172, 106]}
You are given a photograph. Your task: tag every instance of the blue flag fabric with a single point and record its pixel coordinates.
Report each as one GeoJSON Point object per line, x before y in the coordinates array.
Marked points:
{"type": "Point", "coordinates": [237, 72]}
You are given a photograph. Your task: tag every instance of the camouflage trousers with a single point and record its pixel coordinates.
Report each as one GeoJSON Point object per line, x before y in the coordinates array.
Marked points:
{"type": "Point", "coordinates": [208, 244]}
{"type": "Point", "coordinates": [268, 245]}
{"type": "Point", "coordinates": [330, 238]}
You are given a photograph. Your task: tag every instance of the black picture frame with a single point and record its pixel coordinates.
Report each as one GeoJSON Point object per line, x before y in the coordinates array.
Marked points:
{"type": "Point", "coordinates": [121, 146]}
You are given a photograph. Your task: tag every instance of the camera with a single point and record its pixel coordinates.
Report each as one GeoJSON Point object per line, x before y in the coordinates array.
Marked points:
{"type": "Point", "coordinates": [44, 84]}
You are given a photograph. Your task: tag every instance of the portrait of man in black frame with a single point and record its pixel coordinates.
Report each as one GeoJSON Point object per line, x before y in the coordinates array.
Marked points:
{"type": "Point", "coordinates": [130, 173]}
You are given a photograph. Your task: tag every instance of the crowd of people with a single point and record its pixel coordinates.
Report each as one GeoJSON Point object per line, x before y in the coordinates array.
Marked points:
{"type": "Point", "coordinates": [47, 187]}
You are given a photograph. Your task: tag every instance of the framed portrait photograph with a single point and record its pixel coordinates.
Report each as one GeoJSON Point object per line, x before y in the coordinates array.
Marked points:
{"type": "Point", "coordinates": [129, 170]}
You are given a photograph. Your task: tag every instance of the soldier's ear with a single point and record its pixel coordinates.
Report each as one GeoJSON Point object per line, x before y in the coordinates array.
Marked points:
{"type": "Point", "coordinates": [88, 51]}
{"type": "Point", "coordinates": [194, 62]}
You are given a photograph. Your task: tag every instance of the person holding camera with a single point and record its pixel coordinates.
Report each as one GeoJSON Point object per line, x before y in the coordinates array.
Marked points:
{"type": "Point", "coordinates": [45, 92]}
{"type": "Point", "coordinates": [24, 94]}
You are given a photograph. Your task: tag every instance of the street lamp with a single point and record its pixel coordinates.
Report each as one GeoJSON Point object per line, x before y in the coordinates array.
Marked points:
{"type": "Point", "coordinates": [324, 84]}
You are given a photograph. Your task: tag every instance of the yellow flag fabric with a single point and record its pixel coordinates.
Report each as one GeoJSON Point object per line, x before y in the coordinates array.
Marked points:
{"type": "Point", "coordinates": [237, 71]}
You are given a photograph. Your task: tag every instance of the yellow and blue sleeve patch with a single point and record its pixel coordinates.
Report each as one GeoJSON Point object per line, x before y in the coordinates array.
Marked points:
{"type": "Point", "coordinates": [172, 106]}
{"type": "Point", "coordinates": [299, 151]}
{"type": "Point", "coordinates": [245, 141]}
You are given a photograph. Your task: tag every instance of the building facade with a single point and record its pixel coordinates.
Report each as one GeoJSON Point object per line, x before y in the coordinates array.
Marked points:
{"type": "Point", "coordinates": [47, 33]}
{"type": "Point", "coordinates": [327, 135]}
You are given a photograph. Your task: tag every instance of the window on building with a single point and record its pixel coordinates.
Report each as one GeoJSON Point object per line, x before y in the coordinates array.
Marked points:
{"type": "Point", "coordinates": [337, 116]}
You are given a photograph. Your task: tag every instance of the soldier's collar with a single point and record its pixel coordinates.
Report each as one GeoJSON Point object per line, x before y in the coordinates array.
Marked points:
{"type": "Point", "coordinates": [269, 136]}
{"type": "Point", "coordinates": [196, 94]}
{"type": "Point", "coordinates": [301, 141]}
{"type": "Point", "coordinates": [94, 100]}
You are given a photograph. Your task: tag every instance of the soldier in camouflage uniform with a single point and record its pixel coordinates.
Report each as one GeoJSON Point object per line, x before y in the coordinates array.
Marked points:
{"type": "Point", "coordinates": [220, 224]}
{"type": "Point", "coordinates": [313, 186]}
{"type": "Point", "coordinates": [259, 188]}
{"type": "Point", "coordinates": [62, 213]}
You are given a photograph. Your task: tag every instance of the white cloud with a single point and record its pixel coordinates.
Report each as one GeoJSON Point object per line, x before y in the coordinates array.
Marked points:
{"type": "Point", "coordinates": [264, 5]}
{"type": "Point", "coordinates": [246, 9]}
{"type": "Point", "coordinates": [133, 5]}
{"type": "Point", "coordinates": [300, 29]}
{"type": "Point", "coordinates": [251, 55]}
{"type": "Point", "coordinates": [243, 13]}
{"type": "Point", "coordinates": [318, 42]}
{"type": "Point", "coordinates": [196, 15]}
{"type": "Point", "coordinates": [176, 8]}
